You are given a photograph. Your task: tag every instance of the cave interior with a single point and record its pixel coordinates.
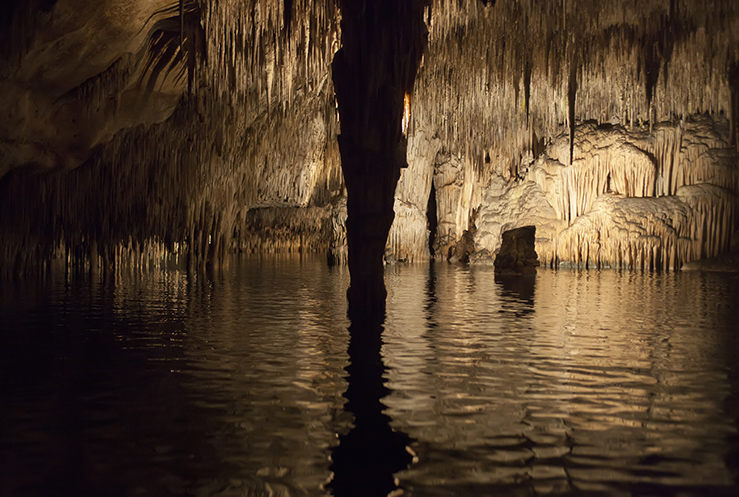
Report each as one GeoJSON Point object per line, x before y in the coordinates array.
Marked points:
{"type": "Point", "coordinates": [140, 132]}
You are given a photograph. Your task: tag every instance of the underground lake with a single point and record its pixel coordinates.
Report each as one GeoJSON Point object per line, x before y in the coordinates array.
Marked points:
{"type": "Point", "coordinates": [245, 382]}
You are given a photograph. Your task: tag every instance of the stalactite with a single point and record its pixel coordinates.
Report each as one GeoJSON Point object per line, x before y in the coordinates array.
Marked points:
{"type": "Point", "coordinates": [497, 79]}
{"type": "Point", "coordinates": [231, 146]}
{"type": "Point", "coordinates": [601, 63]}
{"type": "Point", "coordinates": [571, 105]}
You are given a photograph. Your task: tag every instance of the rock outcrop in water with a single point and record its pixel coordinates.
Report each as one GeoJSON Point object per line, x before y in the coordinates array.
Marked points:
{"type": "Point", "coordinates": [199, 128]}
{"type": "Point", "coordinates": [517, 255]}
{"type": "Point", "coordinates": [727, 263]}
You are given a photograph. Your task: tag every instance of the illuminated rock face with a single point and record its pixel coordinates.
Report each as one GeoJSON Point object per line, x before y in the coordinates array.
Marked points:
{"type": "Point", "coordinates": [409, 234]}
{"type": "Point", "coordinates": [547, 115]}
{"type": "Point", "coordinates": [243, 156]}
{"type": "Point", "coordinates": [629, 199]}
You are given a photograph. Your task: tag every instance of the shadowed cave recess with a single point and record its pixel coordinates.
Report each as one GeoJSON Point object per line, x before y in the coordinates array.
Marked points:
{"type": "Point", "coordinates": [152, 132]}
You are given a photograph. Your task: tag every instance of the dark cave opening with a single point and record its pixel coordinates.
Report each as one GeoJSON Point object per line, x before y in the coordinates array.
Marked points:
{"type": "Point", "coordinates": [431, 219]}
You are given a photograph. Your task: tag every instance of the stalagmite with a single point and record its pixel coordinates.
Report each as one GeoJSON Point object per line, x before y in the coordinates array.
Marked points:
{"type": "Point", "coordinates": [383, 42]}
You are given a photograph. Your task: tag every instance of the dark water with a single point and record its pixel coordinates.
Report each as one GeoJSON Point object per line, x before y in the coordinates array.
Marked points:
{"type": "Point", "coordinates": [245, 383]}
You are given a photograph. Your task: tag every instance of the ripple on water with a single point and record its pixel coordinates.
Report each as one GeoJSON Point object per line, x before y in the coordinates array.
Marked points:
{"type": "Point", "coordinates": [570, 381]}
{"type": "Point", "coordinates": [158, 383]}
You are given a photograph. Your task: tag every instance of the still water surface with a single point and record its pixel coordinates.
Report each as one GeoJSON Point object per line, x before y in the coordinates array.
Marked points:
{"type": "Point", "coordinates": [244, 383]}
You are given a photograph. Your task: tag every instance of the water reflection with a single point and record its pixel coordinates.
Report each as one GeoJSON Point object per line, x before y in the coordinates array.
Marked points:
{"type": "Point", "coordinates": [367, 457]}
{"type": "Point", "coordinates": [520, 288]}
{"type": "Point", "coordinates": [159, 383]}
{"type": "Point", "coordinates": [574, 382]}
{"type": "Point", "coordinates": [566, 382]}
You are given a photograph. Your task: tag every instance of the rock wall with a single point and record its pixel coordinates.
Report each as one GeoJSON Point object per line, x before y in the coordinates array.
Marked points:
{"type": "Point", "coordinates": [69, 82]}
{"type": "Point", "coordinates": [629, 199]}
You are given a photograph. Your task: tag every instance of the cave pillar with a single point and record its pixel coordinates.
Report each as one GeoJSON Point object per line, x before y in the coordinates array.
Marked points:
{"type": "Point", "coordinates": [382, 45]}
{"type": "Point", "coordinates": [370, 181]}
{"type": "Point", "coordinates": [734, 114]}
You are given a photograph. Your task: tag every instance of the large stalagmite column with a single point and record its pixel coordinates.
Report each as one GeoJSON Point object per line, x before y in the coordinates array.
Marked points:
{"type": "Point", "coordinates": [383, 41]}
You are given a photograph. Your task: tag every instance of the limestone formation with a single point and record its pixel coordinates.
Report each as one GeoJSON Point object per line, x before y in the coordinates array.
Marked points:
{"type": "Point", "coordinates": [373, 72]}
{"type": "Point", "coordinates": [140, 130]}
{"type": "Point", "coordinates": [630, 199]}
{"type": "Point", "coordinates": [409, 235]}
{"type": "Point", "coordinates": [632, 105]}
{"type": "Point", "coordinates": [77, 72]}
{"type": "Point", "coordinates": [251, 124]}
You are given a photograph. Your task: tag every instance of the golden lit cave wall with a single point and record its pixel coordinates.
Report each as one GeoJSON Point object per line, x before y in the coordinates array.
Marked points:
{"type": "Point", "coordinates": [138, 196]}
{"type": "Point", "coordinates": [501, 85]}
{"type": "Point", "coordinates": [611, 207]}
